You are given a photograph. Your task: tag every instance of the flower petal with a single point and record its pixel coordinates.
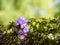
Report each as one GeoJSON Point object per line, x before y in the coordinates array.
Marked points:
{"type": "Point", "coordinates": [20, 32]}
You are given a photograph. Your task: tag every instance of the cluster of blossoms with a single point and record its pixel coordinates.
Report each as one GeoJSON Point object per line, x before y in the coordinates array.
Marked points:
{"type": "Point", "coordinates": [23, 30]}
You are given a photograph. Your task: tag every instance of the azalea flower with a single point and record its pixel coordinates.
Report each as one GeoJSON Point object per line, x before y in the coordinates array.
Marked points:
{"type": "Point", "coordinates": [20, 32]}
{"type": "Point", "coordinates": [23, 31]}
{"type": "Point", "coordinates": [20, 21]}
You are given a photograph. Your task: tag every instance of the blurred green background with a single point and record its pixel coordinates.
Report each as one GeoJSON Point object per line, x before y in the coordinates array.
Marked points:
{"type": "Point", "coordinates": [10, 9]}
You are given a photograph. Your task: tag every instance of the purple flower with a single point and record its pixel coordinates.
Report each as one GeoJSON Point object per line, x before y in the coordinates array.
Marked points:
{"type": "Point", "coordinates": [20, 24]}
{"type": "Point", "coordinates": [21, 21]}
{"type": "Point", "coordinates": [25, 30]}
{"type": "Point", "coordinates": [58, 37]}
{"type": "Point", "coordinates": [20, 32]}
